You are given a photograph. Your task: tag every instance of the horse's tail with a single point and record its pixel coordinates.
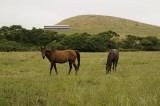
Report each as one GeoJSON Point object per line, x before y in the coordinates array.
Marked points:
{"type": "Point", "coordinates": [78, 57]}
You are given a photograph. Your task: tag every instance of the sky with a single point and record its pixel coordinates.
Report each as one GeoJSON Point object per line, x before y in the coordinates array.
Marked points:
{"type": "Point", "coordinates": [38, 13]}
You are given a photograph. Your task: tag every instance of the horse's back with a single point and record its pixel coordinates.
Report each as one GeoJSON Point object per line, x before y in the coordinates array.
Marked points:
{"type": "Point", "coordinates": [59, 56]}
{"type": "Point", "coordinates": [71, 54]}
{"type": "Point", "coordinates": [114, 53]}
{"type": "Point", "coordinates": [67, 54]}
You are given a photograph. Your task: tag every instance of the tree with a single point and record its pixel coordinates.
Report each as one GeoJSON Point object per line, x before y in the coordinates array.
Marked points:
{"type": "Point", "coordinates": [106, 40]}
{"type": "Point", "coordinates": [76, 41]}
{"type": "Point", "coordinates": [131, 42]}
{"type": "Point", "coordinates": [150, 43]}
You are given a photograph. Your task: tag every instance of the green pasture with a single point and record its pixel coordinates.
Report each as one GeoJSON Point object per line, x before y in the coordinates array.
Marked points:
{"type": "Point", "coordinates": [25, 81]}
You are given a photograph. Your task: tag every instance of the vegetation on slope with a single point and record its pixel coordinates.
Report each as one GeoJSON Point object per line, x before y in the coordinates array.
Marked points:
{"type": "Point", "coordinates": [94, 24]}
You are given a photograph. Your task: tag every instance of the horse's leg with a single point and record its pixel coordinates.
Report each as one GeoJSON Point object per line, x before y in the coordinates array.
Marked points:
{"type": "Point", "coordinates": [116, 65]}
{"type": "Point", "coordinates": [70, 67]}
{"type": "Point", "coordinates": [113, 65]}
{"type": "Point", "coordinates": [110, 70]}
{"type": "Point", "coordinates": [55, 68]}
{"type": "Point", "coordinates": [76, 68]}
{"type": "Point", "coordinates": [110, 67]}
{"type": "Point", "coordinates": [51, 68]}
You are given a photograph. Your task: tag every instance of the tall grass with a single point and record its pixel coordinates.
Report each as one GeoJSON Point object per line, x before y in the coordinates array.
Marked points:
{"type": "Point", "coordinates": [25, 81]}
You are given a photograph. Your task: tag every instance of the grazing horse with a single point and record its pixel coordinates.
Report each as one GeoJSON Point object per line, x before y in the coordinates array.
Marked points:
{"type": "Point", "coordinates": [61, 56]}
{"type": "Point", "coordinates": [112, 59]}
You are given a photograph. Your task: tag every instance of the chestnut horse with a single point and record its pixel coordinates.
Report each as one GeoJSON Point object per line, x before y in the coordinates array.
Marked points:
{"type": "Point", "coordinates": [61, 56]}
{"type": "Point", "coordinates": [112, 59]}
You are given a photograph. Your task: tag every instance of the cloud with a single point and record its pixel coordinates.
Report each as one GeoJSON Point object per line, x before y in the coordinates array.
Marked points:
{"type": "Point", "coordinates": [37, 13]}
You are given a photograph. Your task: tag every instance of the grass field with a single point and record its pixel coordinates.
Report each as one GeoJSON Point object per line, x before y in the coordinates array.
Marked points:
{"type": "Point", "coordinates": [25, 81]}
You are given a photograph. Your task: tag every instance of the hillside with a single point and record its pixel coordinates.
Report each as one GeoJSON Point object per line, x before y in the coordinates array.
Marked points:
{"type": "Point", "coordinates": [97, 23]}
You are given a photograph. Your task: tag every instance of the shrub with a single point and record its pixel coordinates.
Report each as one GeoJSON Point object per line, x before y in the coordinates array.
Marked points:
{"type": "Point", "coordinates": [6, 45]}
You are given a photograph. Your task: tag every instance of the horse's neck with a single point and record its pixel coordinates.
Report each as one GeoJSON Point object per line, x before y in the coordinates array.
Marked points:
{"type": "Point", "coordinates": [48, 54]}
{"type": "Point", "coordinates": [109, 59]}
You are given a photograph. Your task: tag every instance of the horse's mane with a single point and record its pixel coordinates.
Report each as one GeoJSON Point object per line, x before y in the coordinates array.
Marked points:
{"type": "Point", "coordinates": [109, 57]}
{"type": "Point", "coordinates": [49, 51]}
{"type": "Point", "coordinates": [112, 55]}
{"type": "Point", "coordinates": [53, 49]}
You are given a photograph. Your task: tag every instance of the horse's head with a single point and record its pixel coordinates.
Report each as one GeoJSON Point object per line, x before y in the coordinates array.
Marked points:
{"type": "Point", "coordinates": [43, 50]}
{"type": "Point", "coordinates": [108, 67]}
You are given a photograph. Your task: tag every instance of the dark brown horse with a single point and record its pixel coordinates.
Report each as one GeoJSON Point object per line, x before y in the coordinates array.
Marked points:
{"type": "Point", "coordinates": [61, 56]}
{"type": "Point", "coordinates": [112, 59]}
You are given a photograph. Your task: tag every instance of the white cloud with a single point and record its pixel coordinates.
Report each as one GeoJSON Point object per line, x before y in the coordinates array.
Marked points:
{"type": "Point", "coordinates": [37, 13]}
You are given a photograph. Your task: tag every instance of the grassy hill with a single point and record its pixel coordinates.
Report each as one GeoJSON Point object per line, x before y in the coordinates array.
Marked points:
{"type": "Point", "coordinates": [97, 23]}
